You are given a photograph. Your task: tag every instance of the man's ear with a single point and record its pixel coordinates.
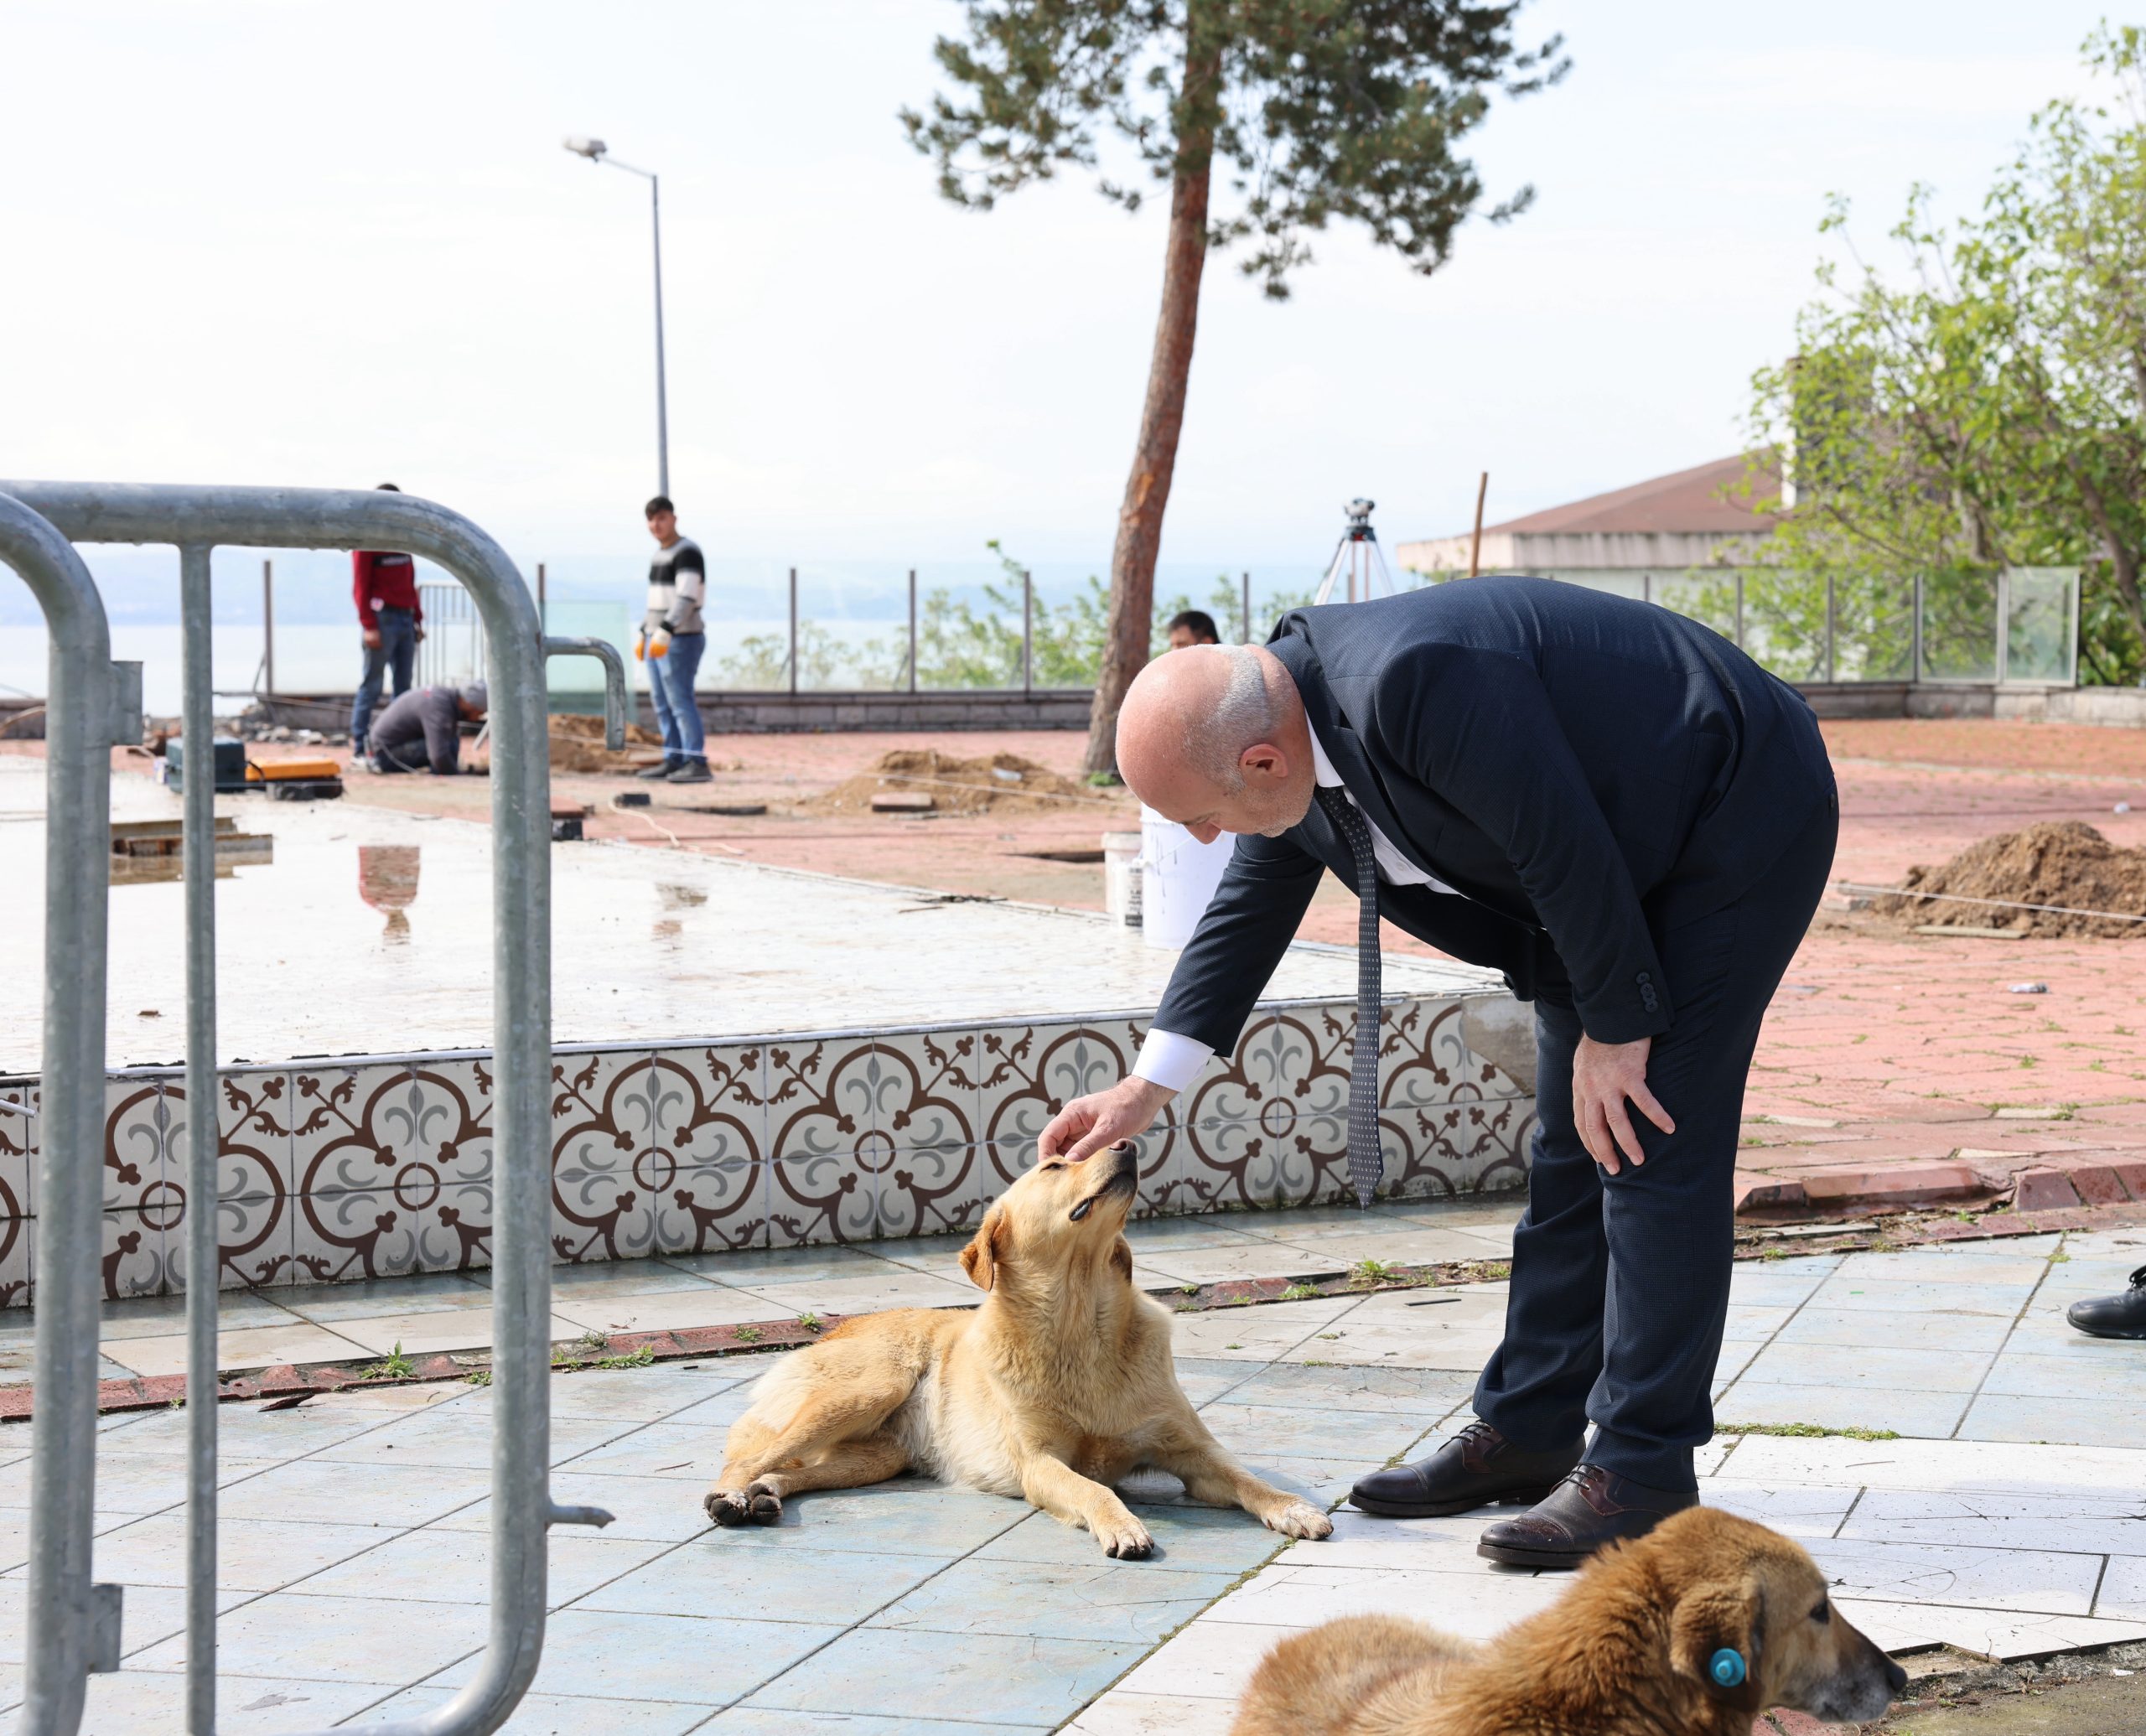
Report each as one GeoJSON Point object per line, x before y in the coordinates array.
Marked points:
{"type": "Point", "coordinates": [1718, 1617]}
{"type": "Point", "coordinates": [982, 1257]}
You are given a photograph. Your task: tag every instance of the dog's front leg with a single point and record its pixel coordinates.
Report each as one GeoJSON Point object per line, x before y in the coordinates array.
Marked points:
{"type": "Point", "coordinates": [1209, 1474]}
{"type": "Point", "coordinates": [1065, 1494]}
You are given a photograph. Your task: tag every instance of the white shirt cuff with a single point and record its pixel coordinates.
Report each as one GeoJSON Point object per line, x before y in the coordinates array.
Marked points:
{"type": "Point", "coordinates": [1171, 1061]}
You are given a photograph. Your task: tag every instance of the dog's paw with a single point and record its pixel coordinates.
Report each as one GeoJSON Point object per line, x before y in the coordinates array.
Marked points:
{"type": "Point", "coordinates": [763, 1505]}
{"type": "Point", "coordinates": [1125, 1539]}
{"type": "Point", "coordinates": [1299, 1519]}
{"type": "Point", "coordinates": [729, 1506]}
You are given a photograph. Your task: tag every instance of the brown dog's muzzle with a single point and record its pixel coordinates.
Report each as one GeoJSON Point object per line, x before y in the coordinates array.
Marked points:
{"type": "Point", "coordinates": [1121, 1177]}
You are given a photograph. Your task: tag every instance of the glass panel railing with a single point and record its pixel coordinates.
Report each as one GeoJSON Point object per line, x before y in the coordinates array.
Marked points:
{"type": "Point", "coordinates": [1959, 625]}
{"type": "Point", "coordinates": [2040, 625]}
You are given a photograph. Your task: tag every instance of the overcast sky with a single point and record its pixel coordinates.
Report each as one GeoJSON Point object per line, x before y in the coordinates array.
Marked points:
{"type": "Point", "coordinates": [327, 244]}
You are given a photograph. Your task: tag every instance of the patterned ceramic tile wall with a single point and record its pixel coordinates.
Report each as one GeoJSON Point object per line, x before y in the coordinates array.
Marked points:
{"type": "Point", "coordinates": [371, 1169]}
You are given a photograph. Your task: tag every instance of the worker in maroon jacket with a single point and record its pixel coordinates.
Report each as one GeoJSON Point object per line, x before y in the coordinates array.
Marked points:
{"type": "Point", "coordinates": [385, 587]}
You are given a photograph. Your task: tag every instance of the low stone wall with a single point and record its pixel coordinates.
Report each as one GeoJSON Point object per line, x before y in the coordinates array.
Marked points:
{"type": "Point", "coordinates": [380, 1166]}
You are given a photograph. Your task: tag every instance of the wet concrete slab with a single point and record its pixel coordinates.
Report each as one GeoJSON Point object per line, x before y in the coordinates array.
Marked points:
{"type": "Point", "coordinates": [370, 933]}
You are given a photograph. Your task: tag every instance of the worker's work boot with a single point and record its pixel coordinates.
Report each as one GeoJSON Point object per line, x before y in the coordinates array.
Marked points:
{"type": "Point", "coordinates": [1478, 1467]}
{"type": "Point", "coordinates": [692, 770]}
{"type": "Point", "coordinates": [2113, 1316]}
{"type": "Point", "coordinates": [652, 774]}
{"type": "Point", "coordinates": [1592, 1507]}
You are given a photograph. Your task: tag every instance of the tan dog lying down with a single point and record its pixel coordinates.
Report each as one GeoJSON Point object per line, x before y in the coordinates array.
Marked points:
{"type": "Point", "coordinates": [1059, 1385]}
{"type": "Point", "coordinates": [1691, 1631]}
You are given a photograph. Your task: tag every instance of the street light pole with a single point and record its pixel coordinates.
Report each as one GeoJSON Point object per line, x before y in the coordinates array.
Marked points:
{"type": "Point", "coordinates": [596, 151]}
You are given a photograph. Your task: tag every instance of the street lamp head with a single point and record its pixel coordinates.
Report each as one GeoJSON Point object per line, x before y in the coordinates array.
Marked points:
{"type": "Point", "coordinates": [592, 148]}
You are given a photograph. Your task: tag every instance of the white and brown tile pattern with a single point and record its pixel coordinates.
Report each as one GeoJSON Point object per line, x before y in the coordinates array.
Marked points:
{"type": "Point", "coordinates": [331, 1170]}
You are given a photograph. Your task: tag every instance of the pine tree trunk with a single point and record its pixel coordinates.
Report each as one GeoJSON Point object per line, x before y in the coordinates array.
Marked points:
{"type": "Point", "coordinates": [1129, 624]}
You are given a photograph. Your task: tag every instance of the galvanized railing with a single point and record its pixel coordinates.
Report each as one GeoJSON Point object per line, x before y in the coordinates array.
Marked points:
{"type": "Point", "coordinates": [73, 1628]}
{"type": "Point", "coordinates": [93, 705]}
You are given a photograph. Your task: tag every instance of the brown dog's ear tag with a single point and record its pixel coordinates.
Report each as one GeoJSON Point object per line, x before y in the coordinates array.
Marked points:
{"type": "Point", "coordinates": [1715, 1635]}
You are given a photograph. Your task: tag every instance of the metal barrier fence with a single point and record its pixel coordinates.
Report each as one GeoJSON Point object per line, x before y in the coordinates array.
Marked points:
{"type": "Point", "coordinates": [73, 1625]}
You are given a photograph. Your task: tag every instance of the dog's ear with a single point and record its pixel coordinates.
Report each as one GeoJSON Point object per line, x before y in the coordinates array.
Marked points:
{"type": "Point", "coordinates": [1121, 1258]}
{"type": "Point", "coordinates": [1716, 1636]}
{"type": "Point", "coordinates": [982, 1257]}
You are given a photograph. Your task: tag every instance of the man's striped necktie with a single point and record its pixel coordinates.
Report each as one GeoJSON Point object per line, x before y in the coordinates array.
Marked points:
{"type": "Point", "coordinates": [1365, 1165]}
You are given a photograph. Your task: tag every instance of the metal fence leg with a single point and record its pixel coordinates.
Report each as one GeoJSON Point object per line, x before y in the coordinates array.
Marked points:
{"type": "Point", "coordinates": [614, 682]}
{"type": "Point", "coordinates": [522, 1510]}
{"type": "Point", "coordinates": [203, 1256]}
{"type": "Point", "coordinates": [73, 1625]}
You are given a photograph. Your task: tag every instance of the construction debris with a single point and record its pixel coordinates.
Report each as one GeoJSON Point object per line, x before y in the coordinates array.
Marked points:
{"type": "Point", "coordinates": [578, 745]}
{"type": "Point", "coordinates": [999, 784]}
{"type": "Point", "coordinates": [2059, 879]}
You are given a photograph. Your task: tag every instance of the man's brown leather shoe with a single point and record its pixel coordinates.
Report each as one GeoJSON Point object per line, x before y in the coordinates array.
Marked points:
{"type": "Point", "coordinates": [1476, 1467]}
{"type": "Point", "coordinates": [1590, 1508]}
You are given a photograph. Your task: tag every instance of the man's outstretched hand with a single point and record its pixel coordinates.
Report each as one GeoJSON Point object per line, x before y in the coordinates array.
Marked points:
{"type": "Point", "coordinates": [1088, 1124]}
{"type": "Point", "coordinates": [1605, 1077]}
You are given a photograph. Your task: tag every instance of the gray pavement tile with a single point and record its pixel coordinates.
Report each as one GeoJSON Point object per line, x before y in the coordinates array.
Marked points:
{"type": "Point", "coordinates": [162, 1316]}
{"type": "Point", "coordinates": [1132, 1602]}
{"type": "Point", "coordinates": [434, 1567]}
{"type": "Point", "coordinates": [650, 1394]}
{"type": "Point", "coordinates": [905, 1516]}
{"type": "Point", "coordinates": [705, 1577]}
{"type": "Point", "coordinates": [767, 1721]}
{"type": "Point", "coordinates": [759, 1268]}
{"type": "Point", "coordinates": [692, 1453]}
{"type": "Point", "coordinates": [397, 1496]}
{"type": "Point", "coordinates": [1812, 1325]}
{"type": "Point", "coordinates": [325, 1639]}
{"type": "Point", "coordinates": [707, 1660]}
{"type": "Point", "coordinates": [459, 1437]}
{"type": "Point", "coordinates": [1427, 1392]}
{"type": "Point", "coordinates": [2019, 1373]}
{"type": "Point", "coordinates": [130, 1483]}
{"type": "Point", "coordinates": [1794, 1510]}
{"type": "Point", "coordinates": [1918, 1295]}
{"type": "Point", "coordinates": [1929, 1415]}
{"type": "Point", "coordinates": [135, 1699]}
{"type": "Point", "coordinates": [251, 1554]}
{"type": "Point", "coordinates": [2071, 1422]}
{"type": "Point", "coordinates": [1019, 1678]}
{"type": "Point", "coordinates": [664, 1510]}
{"type": "Point", "coordinates": [1187, 1537]}
{"type": "Point", "coordinates": [416, 1293]}
{"type": "Point", "coordinates": [548, 1714]}
{"type": "Point", "coordinates": [2041, 1581]}
{"type": "Point", "coordinates": [1298, 1431]}
{"type": "Point", "coordinates": [1854, 1370]}
{"type": "Point", "coordinates": [1205, 1378]}
{"type": "Point", "coordinates": [2001, 1520]}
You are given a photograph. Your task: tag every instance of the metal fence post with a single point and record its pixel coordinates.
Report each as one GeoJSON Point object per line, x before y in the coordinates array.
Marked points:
{"type": "Point", "coordinates": [543, 611]}
{"type": "Point", "coordinates": [268, 625]}
{"type": "Point", "coordinates": [912, 629]}
{"type": "Point", "coordinates": [1916, 633]}
{"type": "Point", "coordinates": [1740, 645]}
{"type": "Point", "coordinates": [67, 1622]}
{"type": "Point", "coordinates": [73, 1625]}
{"type": "Point", "coordinates": [1830, 628]}
{"type": "Point", "coordinates": [1246, 606]}
{"type": "Point", "coordinates": [2002, 661]}
{"type": "Point", "coordinates": [793, 629]}
{"type": "Point", "coordinates": [198, 730]}
{"type": "Point", "coordinates": [1028, 632]}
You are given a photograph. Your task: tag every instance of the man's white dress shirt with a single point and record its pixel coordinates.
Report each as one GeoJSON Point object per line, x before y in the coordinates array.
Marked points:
{"type": "Point", "coordinates": [1172, 1061]}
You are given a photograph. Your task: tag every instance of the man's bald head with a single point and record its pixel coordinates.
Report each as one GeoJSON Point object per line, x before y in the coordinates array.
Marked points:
{"type": "Point", "coordinates": [1215, 736]}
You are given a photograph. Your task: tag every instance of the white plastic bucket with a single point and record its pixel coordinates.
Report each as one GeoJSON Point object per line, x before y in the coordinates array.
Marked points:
{"type": "Point", "coordinates": [1178, 876]}
{"type": "Point", "coordinates": [1122, 877]}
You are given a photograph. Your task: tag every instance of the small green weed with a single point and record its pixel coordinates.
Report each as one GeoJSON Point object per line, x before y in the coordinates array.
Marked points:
{"type": "Point", "coordinates": [479, 1377]}
{"type": "Point", "coordinates": [631, 1359]}
{"type": "Point", "coordinates": [1807, 1431]}
{"type": "Point", "coordinates": [395, 1366]}
{"type": "Point", "coordinates": [748, 1335]}
{"type": "Point", "coordinates": [2059, 1258]}
{"type": "Point", "coordinates": [1372, 1272]}
{"type": "Point", "coordinates": [1300, 1293]}
{"type": "Point", "coordinates": [809, 1321]}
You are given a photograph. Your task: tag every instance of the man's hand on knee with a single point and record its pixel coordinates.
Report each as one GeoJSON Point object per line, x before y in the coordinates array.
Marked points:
{"type": "Point", "coordinates": [1088, 1124]}
{"type": "Point", "coordinates": [1606, 1077]}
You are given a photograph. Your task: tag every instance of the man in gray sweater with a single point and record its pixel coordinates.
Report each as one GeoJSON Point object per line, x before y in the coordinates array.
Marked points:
{"type": "Point", "coordinates": [670, 642]}
{"type": "Point", "coordinates": [421, 731]}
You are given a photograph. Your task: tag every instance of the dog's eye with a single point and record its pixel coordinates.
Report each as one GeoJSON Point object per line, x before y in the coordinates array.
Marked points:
{"type": "Point", "coordinates": [1822, 1612]}
{"type": "Point", "coordinates": [1053, 1166]}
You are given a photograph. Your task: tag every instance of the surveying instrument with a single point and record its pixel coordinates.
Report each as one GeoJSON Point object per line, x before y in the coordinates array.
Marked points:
{"type": "Point", "coordinates": [1357, 558]}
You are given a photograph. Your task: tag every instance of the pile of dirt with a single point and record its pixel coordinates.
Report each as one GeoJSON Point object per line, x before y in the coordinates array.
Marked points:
{"type": "Point", "coordinates": [1002, 784]}
{"type": "Point", "coordinates": [578, 745]}
{"type": "Point", "coordinates": [2062, 862]}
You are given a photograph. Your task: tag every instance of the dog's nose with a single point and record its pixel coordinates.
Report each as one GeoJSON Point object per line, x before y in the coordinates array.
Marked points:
{"type": "Point", "coordinates": [1896, 1678]}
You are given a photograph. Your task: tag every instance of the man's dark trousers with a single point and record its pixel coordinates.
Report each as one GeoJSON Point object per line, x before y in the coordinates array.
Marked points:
{"type": "Point", "coordinates": [396, 654]}
{"type": "Point", "coordinates": [1620, 1283]}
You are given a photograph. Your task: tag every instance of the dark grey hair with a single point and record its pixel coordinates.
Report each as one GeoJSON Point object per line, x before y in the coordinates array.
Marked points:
{"type": "Point", "coordinates": [1243, 716]}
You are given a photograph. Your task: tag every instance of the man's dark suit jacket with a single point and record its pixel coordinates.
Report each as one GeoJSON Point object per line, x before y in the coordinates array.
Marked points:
{"type": "Point", "coordinates": [1588, 771]}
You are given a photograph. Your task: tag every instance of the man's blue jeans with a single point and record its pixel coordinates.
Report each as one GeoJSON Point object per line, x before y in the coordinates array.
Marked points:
{"type": "Point", "coordinates": [395, 653]}
{"type": "Point", "coordinates": [671, 689]}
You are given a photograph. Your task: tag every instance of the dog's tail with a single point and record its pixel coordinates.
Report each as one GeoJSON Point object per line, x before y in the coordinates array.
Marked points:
{"type": "Point", "coordinates": [1315, 1684]}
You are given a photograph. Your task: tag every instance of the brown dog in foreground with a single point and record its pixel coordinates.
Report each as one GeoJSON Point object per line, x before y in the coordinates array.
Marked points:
{"type": "Point", "coordinates": [1631, 1649]}
{"type": "Point", "coordinates": [1060, 1384]}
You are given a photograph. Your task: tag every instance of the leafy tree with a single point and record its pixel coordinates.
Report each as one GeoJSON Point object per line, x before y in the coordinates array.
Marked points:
{"type": "Point", "coordinates": [1990, 410]}
{"type": "Point", "coordinates": [1316, 109]}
